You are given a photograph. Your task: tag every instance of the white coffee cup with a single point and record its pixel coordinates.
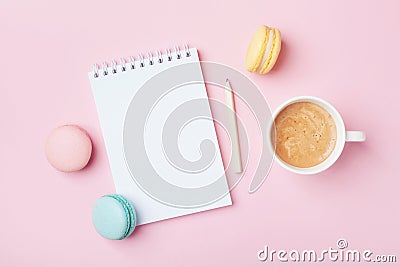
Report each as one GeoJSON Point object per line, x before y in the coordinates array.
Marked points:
{"type": "Point", "coordinates": [343, 136]}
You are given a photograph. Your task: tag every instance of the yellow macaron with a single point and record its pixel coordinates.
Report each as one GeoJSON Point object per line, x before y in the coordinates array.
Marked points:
{"type": "Point", "coordinates": [263, 50]}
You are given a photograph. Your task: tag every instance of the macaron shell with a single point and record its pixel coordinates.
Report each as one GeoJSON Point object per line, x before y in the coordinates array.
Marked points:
{"type": "Point", "coordinates": [109, 218]}
{"type": "Point", "coordinates": [68, 148]}
{"type": "Point", "coordinates": [132, 213]}
{"type": "Point", "coordinates": [129, 212]}
{"type": "Point", "coordinates": [268, 51]}
{"type": "Point", "coordinates": [275, 50]}
{"type": "Point", "coordinates": [256, 48]}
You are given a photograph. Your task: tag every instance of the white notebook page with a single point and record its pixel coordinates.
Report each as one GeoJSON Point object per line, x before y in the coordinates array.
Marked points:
{"type": "Point", "coordinates": [115, 92]}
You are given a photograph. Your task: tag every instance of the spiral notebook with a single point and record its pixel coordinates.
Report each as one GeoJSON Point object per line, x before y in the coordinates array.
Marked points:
{"type": "Point", "coordinates": [159, 134]}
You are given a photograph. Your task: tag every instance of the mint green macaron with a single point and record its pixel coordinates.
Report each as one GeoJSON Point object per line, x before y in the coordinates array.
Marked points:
{"type": "Point", "coordinates": [114, 217]}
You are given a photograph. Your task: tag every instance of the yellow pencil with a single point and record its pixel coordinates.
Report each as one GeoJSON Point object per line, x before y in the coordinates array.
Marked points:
{"type": "Point", "coordinates": [236, 160]}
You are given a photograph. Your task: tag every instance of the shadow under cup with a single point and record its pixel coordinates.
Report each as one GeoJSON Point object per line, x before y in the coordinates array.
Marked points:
{"type": "Point", "coordinates": [340, 136]}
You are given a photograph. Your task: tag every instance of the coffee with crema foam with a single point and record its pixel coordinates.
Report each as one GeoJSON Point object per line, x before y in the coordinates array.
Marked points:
{"type": "Point", "coordinates": [305, 134]}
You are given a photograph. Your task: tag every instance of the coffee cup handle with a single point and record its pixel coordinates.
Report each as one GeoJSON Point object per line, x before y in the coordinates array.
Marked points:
{"type": "Point", "coordinates": [355, 136]}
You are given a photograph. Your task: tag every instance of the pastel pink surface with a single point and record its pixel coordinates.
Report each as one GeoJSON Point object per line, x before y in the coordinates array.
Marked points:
{"type": "Point", "coordinates": [343, 51]}
{"type": "Point", "coordinates": [68, 148]}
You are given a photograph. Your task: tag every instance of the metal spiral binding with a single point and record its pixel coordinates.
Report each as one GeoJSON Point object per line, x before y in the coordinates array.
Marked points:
{"type": "Point", "coordinates": [133, 63]}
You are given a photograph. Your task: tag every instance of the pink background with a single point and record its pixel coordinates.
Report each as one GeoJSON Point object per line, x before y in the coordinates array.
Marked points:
{"type": "Point", "coordinates": [346, 52]}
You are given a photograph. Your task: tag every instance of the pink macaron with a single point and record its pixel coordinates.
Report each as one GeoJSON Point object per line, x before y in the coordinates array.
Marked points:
{"type": "Point", "coordinates": [68, 148]}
